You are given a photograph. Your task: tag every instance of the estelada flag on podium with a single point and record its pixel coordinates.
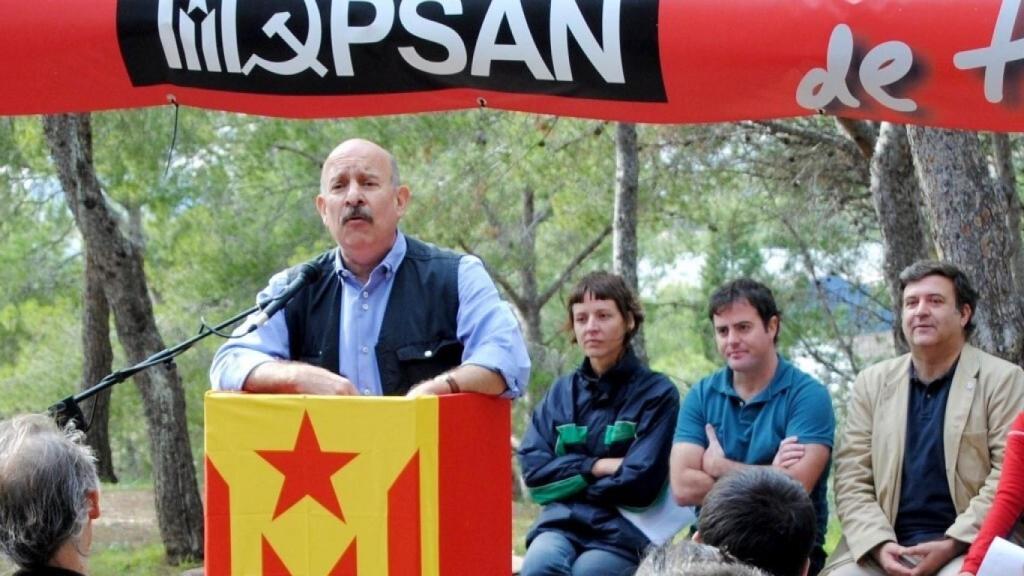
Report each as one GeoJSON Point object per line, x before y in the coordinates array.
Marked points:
{"type": "Point", "coordinates": [340, 486]}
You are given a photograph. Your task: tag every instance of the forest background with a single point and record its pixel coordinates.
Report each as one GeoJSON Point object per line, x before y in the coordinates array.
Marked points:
{"type": "Point", "coordinates": [120, 232]}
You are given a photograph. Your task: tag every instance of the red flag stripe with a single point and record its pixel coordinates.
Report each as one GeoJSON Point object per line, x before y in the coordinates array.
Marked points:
{"type": "Point", "coordinates": [272, 563]}
{"type": "Point", "coordinates": [347, 564]}
{"type": "Point", "coordinates": [404, 548]}
{"type": "Point", "coordinates": [476, 508]}
{"type": "Point", "coordinates": [218, 522]}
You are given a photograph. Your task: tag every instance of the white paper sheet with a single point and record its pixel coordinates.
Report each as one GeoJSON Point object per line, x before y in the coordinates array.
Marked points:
{"type": "Point", "coordinates": [661, 521]}
{"type": "Point", "coordinates": [1003, 559]}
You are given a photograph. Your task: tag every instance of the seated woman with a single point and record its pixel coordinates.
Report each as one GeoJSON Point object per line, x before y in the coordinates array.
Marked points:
{"type": "Point", "coordinates": [49, 496]}
{"type": "Point", "coordinates": [598, 441]}
{"type": "Point", "coordinates": [1008, 505]}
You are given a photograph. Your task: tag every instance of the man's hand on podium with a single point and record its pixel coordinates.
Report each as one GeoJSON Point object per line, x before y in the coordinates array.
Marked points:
{"type": "Point", "coordinates": [436, 386]}
{"type": "Point", "coordinates": [286, 377]}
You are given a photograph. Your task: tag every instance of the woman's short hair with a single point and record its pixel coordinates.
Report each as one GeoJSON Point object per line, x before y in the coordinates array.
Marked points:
{"type": "Point", "coordinates": [46, 476]}
{"type": "Point", "coordinates": [603, 285]}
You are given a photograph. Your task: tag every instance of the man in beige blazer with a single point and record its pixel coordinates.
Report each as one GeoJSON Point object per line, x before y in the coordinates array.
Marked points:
{"type": "Point", "coordinates": [919, 460]}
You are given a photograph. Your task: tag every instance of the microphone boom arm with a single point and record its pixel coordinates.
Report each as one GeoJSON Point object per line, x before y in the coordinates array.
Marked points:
{"type": "Point", "coordinates": [67, 410]}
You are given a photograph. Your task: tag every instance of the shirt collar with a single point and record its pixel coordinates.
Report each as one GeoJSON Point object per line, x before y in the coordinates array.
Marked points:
{"type": "Point", "coordinates": [938, 382]}
{"type": "Point", "coordinates": [606, 385]}
{"type": "Point", "coordinates": [779, 382]}
{"type": "Point", "coordinates": [388, 265]}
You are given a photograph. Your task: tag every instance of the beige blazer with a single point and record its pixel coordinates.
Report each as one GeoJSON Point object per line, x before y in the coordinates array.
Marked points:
{"type": "Point", "coordinates": [986, 395]}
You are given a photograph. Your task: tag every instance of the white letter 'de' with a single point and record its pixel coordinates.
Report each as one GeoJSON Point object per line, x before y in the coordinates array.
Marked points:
{"type": "Point", "coordinates": [820, 86]}
{"type": "Point", "coordinates": [884, 64]}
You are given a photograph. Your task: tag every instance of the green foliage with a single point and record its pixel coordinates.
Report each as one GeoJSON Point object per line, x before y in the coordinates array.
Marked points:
{"type": "Point", "coordinates": [676, 335]}
{"type": "Point", "coordinates": [148, 560]}
{"type": "Point", "coordinates": [236, 205]}
{"type": "Point", "coordinates": [44, 367]}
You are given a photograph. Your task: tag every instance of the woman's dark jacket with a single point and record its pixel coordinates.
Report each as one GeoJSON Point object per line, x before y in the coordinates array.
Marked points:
{"type": "Point", "coordinates": [629, 412]}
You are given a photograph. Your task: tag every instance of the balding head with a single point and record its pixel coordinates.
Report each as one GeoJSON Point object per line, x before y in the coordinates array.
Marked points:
{"type": "Point", "coordinates": [364, 148]}
{"type": "Point", "coordinates": [361, 202]}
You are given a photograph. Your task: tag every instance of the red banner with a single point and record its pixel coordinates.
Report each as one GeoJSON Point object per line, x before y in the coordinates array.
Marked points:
{"type": "Point", "coordinates": [936, 62]}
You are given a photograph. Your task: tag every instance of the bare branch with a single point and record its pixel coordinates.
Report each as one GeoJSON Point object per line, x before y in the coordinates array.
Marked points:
{"type": "Point", "coordinates": [811, 136]}
{"type": "Point", "coordinates": [499, 279]}
{"type": "Point", "coordinates": [863, 134]}
{"type": "Point", "coordinates": [812, 350]}
{"type": "Point", "coordinates": [567, 271]}
{"type": "Point", "coordinates": [808, 261]}
{"type": "Point", "coordinates": [300, 153]}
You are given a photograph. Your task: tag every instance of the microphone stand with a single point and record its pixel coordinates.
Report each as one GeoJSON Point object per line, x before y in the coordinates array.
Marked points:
{"type": "Point", "coordinates": [67, 410]}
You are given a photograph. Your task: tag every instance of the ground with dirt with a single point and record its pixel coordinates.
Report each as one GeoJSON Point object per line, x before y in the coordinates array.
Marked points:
{"type": "Point", "coordinates": [127, 519]}
{"type": "Point", "coordinates": [127, 524]}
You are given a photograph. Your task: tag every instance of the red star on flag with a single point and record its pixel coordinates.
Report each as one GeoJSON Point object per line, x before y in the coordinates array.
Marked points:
{"type": "Point", "coordinates": [307, 471]}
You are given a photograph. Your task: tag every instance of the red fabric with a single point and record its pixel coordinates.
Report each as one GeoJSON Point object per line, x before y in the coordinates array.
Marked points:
{"type": "Point", "coordinates": [1009, 500]}
{"type": "Point", "coordinates": [272, 563]}
{"type": "Point", "coordinates": [307, 471]}
{"type": "Point", "coordinates": [721, 61]}
{"type": "Point", "coordinates": [218, 521]}
{"type": "Point", "coordinates": [405, 555]}
{"type": "Point", "coordinates": [475, 479]}
{"type": "Point", "coordinates": [347, 565]}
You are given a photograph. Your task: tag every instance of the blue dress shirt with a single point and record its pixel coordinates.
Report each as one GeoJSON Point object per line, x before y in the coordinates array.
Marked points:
{"type": "Point", "coordinates": [486, 327]}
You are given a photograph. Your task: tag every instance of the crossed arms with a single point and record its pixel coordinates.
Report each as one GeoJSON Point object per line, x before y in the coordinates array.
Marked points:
{"type": "Point", "coordinates": [695, 468]}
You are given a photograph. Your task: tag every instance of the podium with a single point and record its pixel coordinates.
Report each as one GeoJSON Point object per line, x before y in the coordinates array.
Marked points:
{"type": "Point", "coordinates": [347, 486]}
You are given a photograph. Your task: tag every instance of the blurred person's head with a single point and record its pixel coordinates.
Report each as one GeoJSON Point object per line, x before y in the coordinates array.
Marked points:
{"type": "Point", "coordinates": [49, 494]}
{"type": "Point", "coordinates": [688, 558]}
{"type": "Point", "coordinates": [761, 517]}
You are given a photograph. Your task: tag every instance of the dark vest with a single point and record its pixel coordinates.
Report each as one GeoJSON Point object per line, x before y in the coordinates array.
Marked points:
{"type": "Point", "coordinates": [418, 336]}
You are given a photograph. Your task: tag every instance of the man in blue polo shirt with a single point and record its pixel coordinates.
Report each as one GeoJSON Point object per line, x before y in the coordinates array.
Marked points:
{"type": "Point", "coordinates": [759, 410]}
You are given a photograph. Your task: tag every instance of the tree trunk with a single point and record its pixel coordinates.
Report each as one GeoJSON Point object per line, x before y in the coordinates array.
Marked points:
{"type": "Point", "coordinates": [97, 362]}
{"type": "Point", "coordinates": [968, 211]}
{"type": "Point", "coordinates": [1006, 176]}
{"type": "Point", "coordinates": [528, 271]}
{"type": "Point", "coordinates": [120, 264]}
{"type": "Point", "coordinates": [897, 199]}
{"type": "Point", "coordinates": [624, 241]}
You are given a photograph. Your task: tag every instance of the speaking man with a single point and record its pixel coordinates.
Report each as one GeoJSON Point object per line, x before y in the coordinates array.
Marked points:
{"type": "Point", "coordinates": [387, 314]}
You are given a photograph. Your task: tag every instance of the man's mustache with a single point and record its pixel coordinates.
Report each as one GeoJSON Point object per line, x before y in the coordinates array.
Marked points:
{"type": "Point", "coordinates": [357, 213]}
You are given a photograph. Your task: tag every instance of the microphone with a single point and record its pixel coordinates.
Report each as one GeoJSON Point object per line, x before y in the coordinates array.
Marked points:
{"type": "Point", "coordinates": [302, 275]}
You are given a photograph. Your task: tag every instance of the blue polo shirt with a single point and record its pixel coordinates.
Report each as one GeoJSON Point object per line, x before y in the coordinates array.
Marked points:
{"type": "Point", "coordinates": [793, 404]}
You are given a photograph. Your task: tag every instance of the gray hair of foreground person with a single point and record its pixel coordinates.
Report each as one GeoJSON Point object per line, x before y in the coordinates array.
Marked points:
{"type": "Point", "coordinates": [762, 517]}
{"type": "Point", "coordinates": [688, 558]}
{"type": "Point", "coordinates": [48, 490]}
